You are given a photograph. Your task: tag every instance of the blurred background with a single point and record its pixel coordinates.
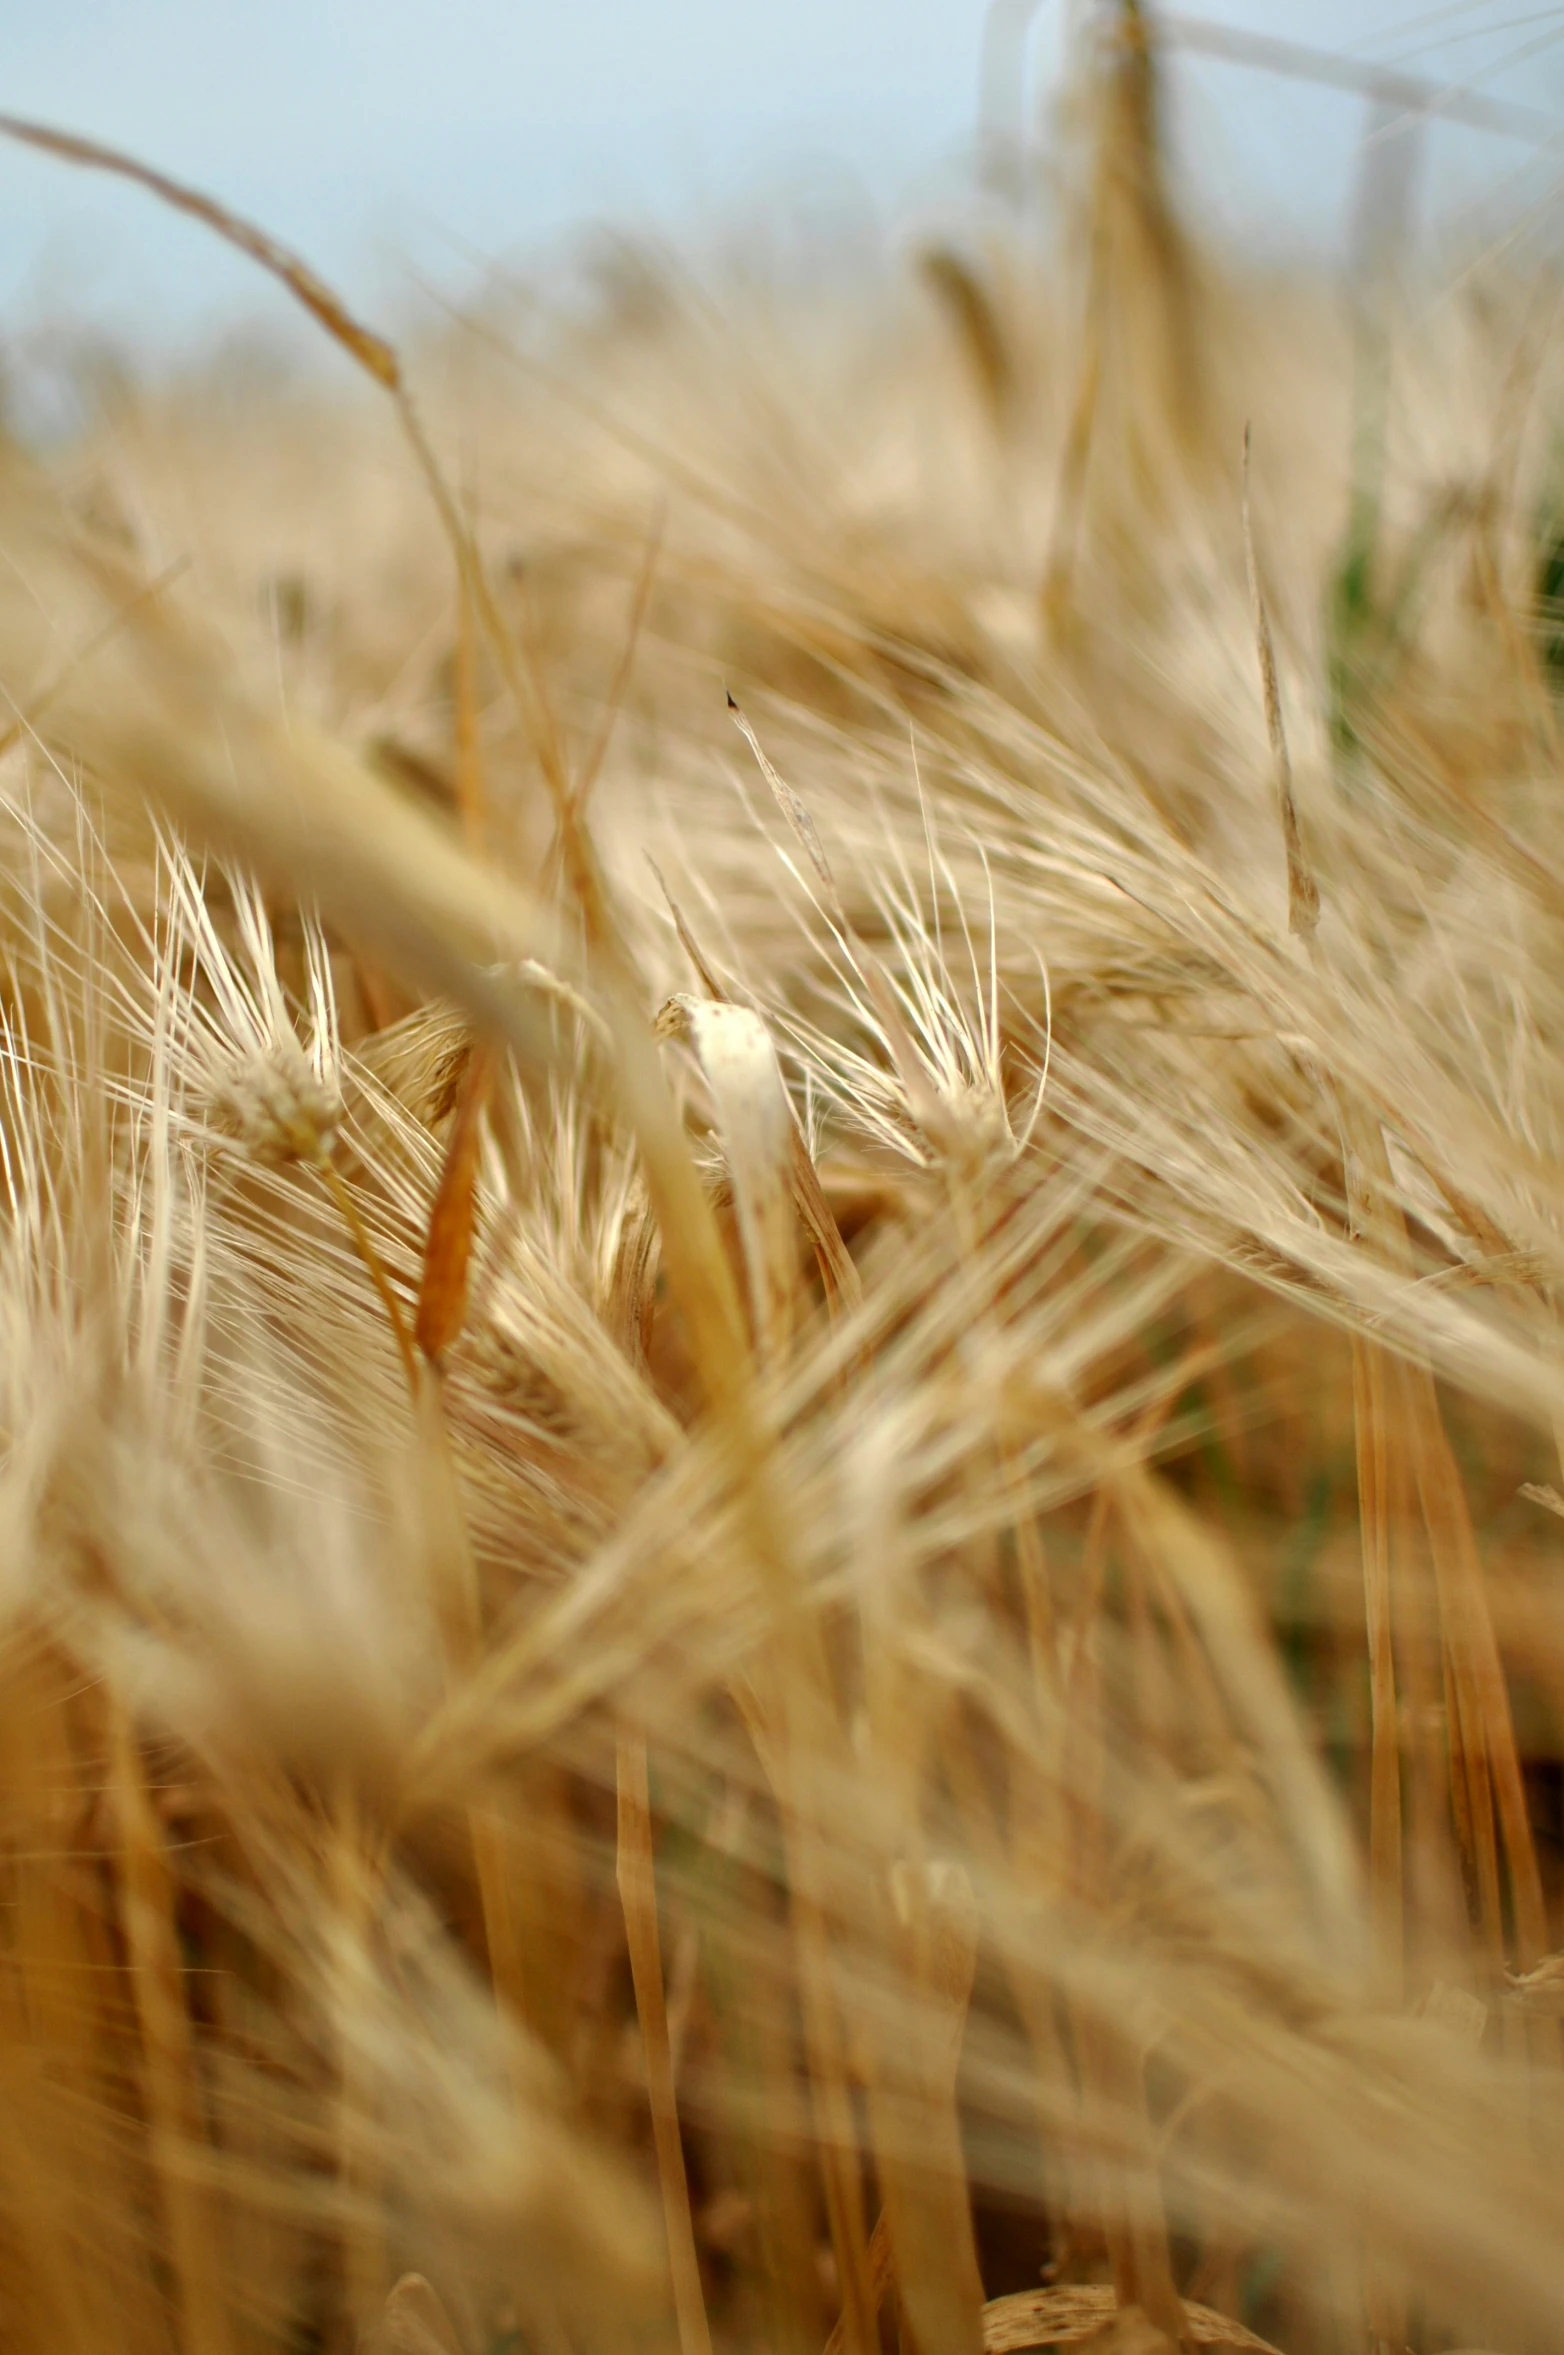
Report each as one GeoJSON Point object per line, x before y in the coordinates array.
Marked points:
{"type": "Point", "coordinates": [401, 145]}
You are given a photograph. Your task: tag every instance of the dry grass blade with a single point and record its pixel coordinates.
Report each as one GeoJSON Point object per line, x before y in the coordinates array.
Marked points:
{"type": "Point", "coordinates": [1382, 1511]}
{"type": "Point", "coordinates": [1070, 484]}
{"type": "Point", "coordinates": [1111, 2071]}
{"type": "Point", "coordinates": [364, 1244]}
{"type": "Point", "coordinates": [915, 2119]}
{"type": "Point", "coordinates": [371, 351]}
{"type": "Point", "coordinates": [844, 1289]}
{"type": "Point", "coordinates": [1481, 1690]}
{"type": "Point", "coordinates": [168, 2057]}
{"type": "Point", "coordinates": [1219, 1606]}
{"type": "Point", "coordinates": [881, 2271]}
{"type": "Point", "coordinates": [687, 940]}
{"type": "Point", "coordinates": [442, 1291]}
{"type": "Point", "coordinates": [621, 680]}
{"type": "Point", "coordinates": [1303, 895]}
{"type": "Point", "coordinates": [1382, 1514]}
{"type": "Point", "coordinates": [470, 795]}
{"type": "Point", "coordinates": [973, 313]}
{"type": "Point", "coordinates": [805, 831]}
{"type": "Point", "coordinates": [638, 1896]}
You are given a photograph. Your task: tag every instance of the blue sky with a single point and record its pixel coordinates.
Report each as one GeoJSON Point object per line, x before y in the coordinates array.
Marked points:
{"type": "Point", "coordinates": [387, 137]}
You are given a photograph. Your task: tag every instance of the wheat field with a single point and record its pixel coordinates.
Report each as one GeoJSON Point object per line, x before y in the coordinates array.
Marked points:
{"type": "Point", "coordinates": [782, 1144]}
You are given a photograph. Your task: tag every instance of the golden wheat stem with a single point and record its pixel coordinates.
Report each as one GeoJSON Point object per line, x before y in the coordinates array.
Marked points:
{"type": "Point", "coordinates": [363, 1242]}
{"type": "Point", "coordinates": [176, 2128]}
{"type": "Point", "coordinates": [636, 1870]}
